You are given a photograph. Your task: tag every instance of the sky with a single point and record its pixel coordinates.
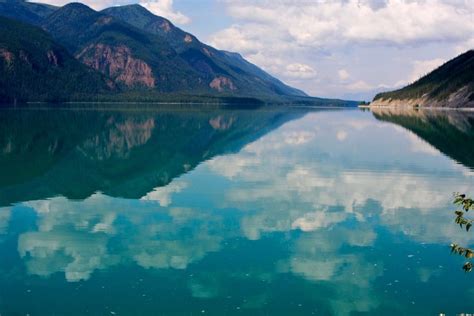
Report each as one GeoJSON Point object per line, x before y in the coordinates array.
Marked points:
{"type": "Point", "coordinates": [348, 49]}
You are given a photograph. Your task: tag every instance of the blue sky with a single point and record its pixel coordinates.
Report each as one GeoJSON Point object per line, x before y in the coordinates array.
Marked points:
{"type": "Point", "coordinates": [328, 48]}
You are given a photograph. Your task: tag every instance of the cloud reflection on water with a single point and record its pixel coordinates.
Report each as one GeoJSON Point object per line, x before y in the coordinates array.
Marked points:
{"type": "Point", "coordinates": [330, 195]}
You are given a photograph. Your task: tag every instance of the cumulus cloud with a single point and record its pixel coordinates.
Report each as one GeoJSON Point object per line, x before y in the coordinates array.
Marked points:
{"type": "Point", "coordinates": [341, 135]}
{"type": "Point", "coordinates": [314, 185]}
{"type": "Point", "coordinates": [73, 236]}
{"type": "Point", "coordinates": [298, 137]}
{"type": "Point", "coordinates": [332, 36]}
{"type": "Point", "coordinates": [465, 46]}
{"type": "Point", "coordinates": [163, 194]}
{"type": "Point", "coordinates": [317, 220]}
{"type": "Point", "coordinates": [320, 23]}
{"type": "Point", "coordinates": [423, 67]}
{"type": "Point", "coordinates": [52, 252]}
{"type": "Point", "coordinates": [165, 9]}
{"type": "Point", "coordinates": [359, 85]}
{"type": "Point", "coordinates": [343, 74]}
{"type": "Point", "coordinates": [300, 71]}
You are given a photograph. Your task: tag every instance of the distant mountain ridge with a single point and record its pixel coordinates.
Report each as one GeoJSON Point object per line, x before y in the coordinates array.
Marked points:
{"type": "Point", "coordinates": [34, 67]}
{"type": "Point", "coordinates": [28, 12]}
{"type": "Point", "coordinates": [450, 85]}
{"type": "Point", "coordinates": [141, 56]}
{"type": "Point", "coordinates": [201, 56]}
{"type": "Point", "coordinates": [131, 58]}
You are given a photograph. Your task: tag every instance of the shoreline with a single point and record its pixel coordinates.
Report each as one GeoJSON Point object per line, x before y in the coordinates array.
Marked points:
{"type": "Point", "coordinates": [436, 108]}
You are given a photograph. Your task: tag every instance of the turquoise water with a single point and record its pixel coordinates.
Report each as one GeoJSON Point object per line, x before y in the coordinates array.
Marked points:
{"type": "Point", "coordinates": [233, 212]}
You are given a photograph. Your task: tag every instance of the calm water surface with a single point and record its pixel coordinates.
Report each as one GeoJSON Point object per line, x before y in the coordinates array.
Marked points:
{"type": "Point", "coordinates": [233, 212]}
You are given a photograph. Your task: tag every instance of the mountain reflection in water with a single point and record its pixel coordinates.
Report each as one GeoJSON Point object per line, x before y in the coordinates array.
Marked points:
{"type": "Point", "coordinates": [263, 212]}
{"type": "Point", "coordinates": [449, 131]}
{"type": "Point", "coordinates": [124, 153]}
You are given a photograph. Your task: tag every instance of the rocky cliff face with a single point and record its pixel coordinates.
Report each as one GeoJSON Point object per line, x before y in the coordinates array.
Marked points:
{"type": "Point", "coordinates": [222, 84]}
{"type": "Point", "coordinates": [34, 67]}
{"type": "Point", "coordinates": [7, 56]}
{"type": "Point", "coordinates": [118, 63]}
{"type": "Point", "coordinates": [222, 71]}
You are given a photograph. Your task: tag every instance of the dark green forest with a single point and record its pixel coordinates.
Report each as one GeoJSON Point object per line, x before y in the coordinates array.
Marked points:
{"type": "Point", "coordinates": [440, 83]}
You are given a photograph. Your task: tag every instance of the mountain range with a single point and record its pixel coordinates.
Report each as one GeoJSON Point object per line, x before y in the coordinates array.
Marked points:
{"type": "Point", "coordinates": [73, 53]}
{"type": "Point", "coordinates": [450, 85]}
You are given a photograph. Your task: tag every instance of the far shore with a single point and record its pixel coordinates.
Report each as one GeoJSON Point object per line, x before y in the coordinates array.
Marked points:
{"type": "Point", "coordinates": [437, 108]}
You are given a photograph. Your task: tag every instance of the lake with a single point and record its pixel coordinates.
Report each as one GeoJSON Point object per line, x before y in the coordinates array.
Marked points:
{"type": "Point", "coordinates": [268, 211]}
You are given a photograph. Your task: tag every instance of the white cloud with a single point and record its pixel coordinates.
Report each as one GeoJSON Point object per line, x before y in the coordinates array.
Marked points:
{"type": "Point", "coordinates": [312, 187]}
{"type": "Point", "coordinates": [165, 9]}
{"type": "Point", "coordinates": [335, 36]}
{"type": "Point", "coordinates": [341, 135]}
{"type": "Point", "coordinates": [300, 71]}
{"type": "Point", "coordinates": [359, 85]}
{"type": "Point", "coordinates": [343, 74]}
{"type": "Point", "coordinates": [465, 46]}
{"type": "Point", "coordinates": [298, 137]}
{"type": "Point", "coordinates": [235, 167]}
{"type": "Point", "coordinates": [320, 23]}
{"type": "Point", "coordinates": [163, 194]}
{"type": "Point", "coordinates": [73, 236]}
{"type": "Point", "coordinates": [418, 145]}
{"type": "Point", "coordinates": [317, 220]}
{"type": "Point", "coordinates": [423, 67]}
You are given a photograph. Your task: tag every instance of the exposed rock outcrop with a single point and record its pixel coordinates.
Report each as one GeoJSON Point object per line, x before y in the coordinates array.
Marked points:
{"type": "Point", "coordinates": [222, 83]}
{"type": "Point", "coordinates": [53, 58]}
{"type": "Point", "coordinates": [7, 56]}
{"type": "Point", "coordinates": [119, 64]}
{"type": "Point", "coordinates": [165, 26]}
{"type": "Point", "coordinates": [207, 52]}
{"type": "Point", "coordinates": [104, 20]}
{"type": "Point", "coordinates": [188, 38]}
